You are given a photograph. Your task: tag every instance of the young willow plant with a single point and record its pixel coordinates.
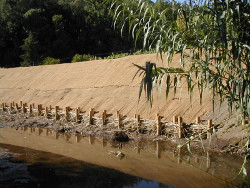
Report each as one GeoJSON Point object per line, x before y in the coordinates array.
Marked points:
{"type": "Point", "coordinates": [212, 38]}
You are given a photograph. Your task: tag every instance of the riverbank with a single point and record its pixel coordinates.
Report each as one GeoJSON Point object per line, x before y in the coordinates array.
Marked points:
{"type": "Point", "coordinates": [222, 140]}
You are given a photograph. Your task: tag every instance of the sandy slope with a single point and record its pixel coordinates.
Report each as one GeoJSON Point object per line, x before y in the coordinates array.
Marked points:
{"type": "Point", "coordinates": [100, 84]}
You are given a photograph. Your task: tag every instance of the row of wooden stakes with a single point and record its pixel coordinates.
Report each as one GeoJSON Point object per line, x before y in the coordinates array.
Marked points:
{"type": "Point", "coordinates": [24, 108]}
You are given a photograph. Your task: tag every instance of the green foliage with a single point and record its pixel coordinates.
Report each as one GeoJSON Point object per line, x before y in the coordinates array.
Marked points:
{"type": "Point", "coordinates": [29, 48]}
{"type": "Point", "coordinates": [138, 52]}
{"type": "Point", "coordinates": [58, 22]}
{"type": "Point", "coordinates": [212, 37]}
{"type": "Point", "coordinates": [115, 56]}
{"type": "Point", "coordinates": [59, 29]}
{"type": "Point", "coordinates": [85, 57]}
{"type": "Point", "coordinates": [50, 61]}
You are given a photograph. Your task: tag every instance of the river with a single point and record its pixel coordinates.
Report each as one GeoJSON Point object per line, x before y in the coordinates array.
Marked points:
{"type": "Point", "coordinates": [50, 159]}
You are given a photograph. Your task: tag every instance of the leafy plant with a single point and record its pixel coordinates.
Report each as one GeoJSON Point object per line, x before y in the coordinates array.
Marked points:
{"type": "Point", "coordinates": [138, 52]}
{"type": "Point", "coordinates": [213, 39]}
{"type": "Point", "coordinates": [115, 56]}
{"type": "Point", "coordinates": [29, 47]}
{"type": "Point", "coordinates": [50, 61]}
{"type": "Point", "coordinates": [84, 57]}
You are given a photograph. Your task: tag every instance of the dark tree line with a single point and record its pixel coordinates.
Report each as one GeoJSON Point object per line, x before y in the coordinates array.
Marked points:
{"type": "Point", "coordinates": [32, 30]}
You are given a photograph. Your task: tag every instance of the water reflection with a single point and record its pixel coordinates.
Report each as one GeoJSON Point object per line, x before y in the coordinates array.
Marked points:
{"type": "Point", "coordinates": [104, 142]}
{"type": "Point", "coordinates": [158, 150]}
{"type": "Point", "coordinates": [57, 135]}
{"type": "Point", "coordinates": [149, 160]}
{"type": "Point", "coordinates": [68, 136]}
{"type": "Point", "coordinates": [91, 140]}
{"type": "Point", "coordinates": [208, 161]}
{"type": "Point", "coordinates": [78, 138]}
{"type": "Point", "coordinates": [40, 130]}
{"type": "Point", "coordinates": [51, 170]}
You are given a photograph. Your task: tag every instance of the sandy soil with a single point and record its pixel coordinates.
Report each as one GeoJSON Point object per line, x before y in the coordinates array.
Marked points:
{"type": "Point", "coordinates": [103, 85]}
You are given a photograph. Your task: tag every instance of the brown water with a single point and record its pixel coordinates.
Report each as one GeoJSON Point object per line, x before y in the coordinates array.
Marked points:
{"type": "Point", "coordinates": [67, 160]}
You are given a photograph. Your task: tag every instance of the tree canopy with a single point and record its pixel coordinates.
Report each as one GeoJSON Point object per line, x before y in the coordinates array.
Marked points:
{"type": "Point", "coordinates": [32, 30]}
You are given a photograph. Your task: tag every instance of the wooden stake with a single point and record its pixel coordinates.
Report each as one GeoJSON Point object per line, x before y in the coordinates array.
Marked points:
{"type": "Point", "coordinates": [24, 108]}
{"type": "Point", "coordinates": [46, 112]}
{"type": "Point", "coordinates": [78, 114]}
{"type": "Point", "coordinates": [56, 112]}
{"type": "Point", "coordinates": [39, 109]}
{"type": "Point", "coordinates": [31, 109]}
{"type": "Point", "coordinates": [117, 114]}
{"type": "Point", "coordinates": [138, 118]}
{"type": "Point", "coordinates": [158, 125]}
{"type": "Point", "coordinates": [67, 113]}
{"type": "Point", "coordinates": [104, 116]}
{"type": "Point", "coordinates": [180, 123]}
{"type": "Point", "coordinates": [21, 103]}
{"type": "Point", "coordinates": [119, 120]}
{"type": "Point", "coordinates": [92, 111]}
{"type": "Point", "coordinates": [209, 126]}
{"type": "Point", "coordinates": [3, 106]}
{"type": "Point", "coordinates": [174, 119]}
{"type": "Point", "coordinates": [50, 107]}
{"type": "Point", "coordinates": [198, 120]}
{"type": "Point", "coordinates": [91, 116]}
{"type": "Point", "coordinates": [17, 108]}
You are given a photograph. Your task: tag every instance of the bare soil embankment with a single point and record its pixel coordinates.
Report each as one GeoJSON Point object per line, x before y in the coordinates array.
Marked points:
{"type": "Point", "coordinates": [107, 85]}
{"type": "Point", "coordinates": [99, 84]}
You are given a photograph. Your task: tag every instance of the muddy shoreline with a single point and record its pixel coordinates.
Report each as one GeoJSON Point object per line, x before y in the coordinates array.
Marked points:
{"type": "Point", "coordinates": [232, 146]}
